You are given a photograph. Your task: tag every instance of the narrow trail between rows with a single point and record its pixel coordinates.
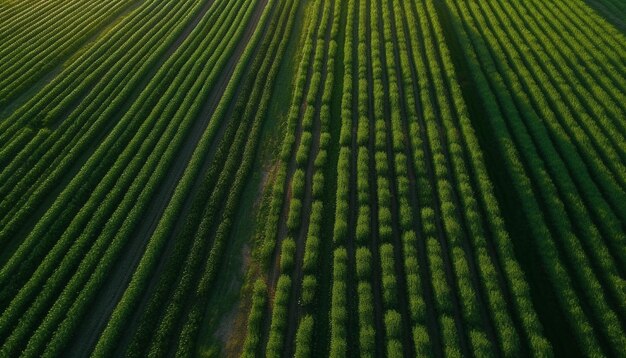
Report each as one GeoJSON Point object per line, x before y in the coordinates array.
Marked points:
{"type": "Point", "coordinates": [284, 211]}
{"type": "Point", "coordinates": [94, 322]}
{"type": "Point", "coordinates": [190, 198]}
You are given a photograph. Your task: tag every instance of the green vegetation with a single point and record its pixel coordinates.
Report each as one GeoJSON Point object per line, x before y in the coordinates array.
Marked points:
{"type": "Point", "coordinates": [397, 178]}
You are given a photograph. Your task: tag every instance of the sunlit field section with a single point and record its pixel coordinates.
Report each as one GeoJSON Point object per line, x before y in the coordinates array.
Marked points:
{"type": "Point", "coordinates": [280, 178]}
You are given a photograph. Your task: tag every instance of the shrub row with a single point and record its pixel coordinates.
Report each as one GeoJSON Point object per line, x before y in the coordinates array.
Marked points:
{"type": "Point", "coordinates": [574, 253]}
{"type": "Point", "coordinates": [255, 319]}
{"type": "Point", "coordinates": [338, 308]}
{"type": "Point", "coordinates": [433, 102]}
{"type": "Point", "coordinates": [481, 64]}
{"type": "Point", "coordinates": [26, 61]}
{"type": "Point", "coordinates": [78, 247]}
{"type": "Point", "coordinates": [112, 227]}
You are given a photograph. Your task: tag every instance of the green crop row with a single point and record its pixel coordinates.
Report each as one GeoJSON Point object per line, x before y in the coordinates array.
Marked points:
{"type": "Point", "coordinates": [432, 99]}
{"type": "Point", "coordinates": [320, 85]}
{"type": "Point", "coordinates": [34, 247]}
{"type": "Point", "coordinates": [481, 63]}
{"type": "Point", "coordinates": [16, 15]}
{"type": "Point", "coordinates": [485, 265]}
{"type": "Point", "coordinates": [341, 230]}
{"type": "Point", "coordinates": [191, 322]}
{"type": "Point", "coordinates": [310, 264]}
{"type": "Point", "coordinates": [575, 254]}
{"type": "Point", "coordinates": [364, 259]}
{"type": "Point", "coordinates": [338, 309]}
{"type": "Point", "coordinates": [270, 232]}
{"type": "Point", "coordinates": [512, 271]}
{"type": "Point", "coordinates": [609, 222]}
{"type": "Point", "coordinates": [24, 26]}
{"type": "Point", "coordinates": [279, 317]}
{"type": "Point", "coordinates": [45, 49]}
{"type": "Point", "coordinates": [78, 185]}
{"type": "Point", "coordinates": [365, 302]}
{"type": "Point", "coordinates": [88, 66]}
{"type": "Point", "coordinates": [218, 181]}
{"type": "Point", "coordinates": [65, 146]}
{"type": "Point", "coordinates": [255, 319]}
{"type": "Point", "coordinates": [94, 256]}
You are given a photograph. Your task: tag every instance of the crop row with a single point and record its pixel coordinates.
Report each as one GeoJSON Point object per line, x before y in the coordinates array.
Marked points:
{"type": "Point", "coordinates": [35, 51]}
{"type": "Point", "coordinates": [163, 321]}
{"type": "Point", "coordinates": [392, 221]}
{"type": "Point", "coordinates": [76, 134]}
{"type": "Point", "coordinates": [120, 217]}
{"type": "Point", "coordinates": [34, 247]}
{"type": "Point", "coordinates": [310, 263]}
{"type": "Point", "coordinates": [203, 213]}
{"type": "Point", "coordinates": [85, 68]}
{"type": "Point", "coordinates": [268, 240]}
{"type": "Point", "coordinates": [314, 138]}
{"type": "Point", "coordinates": [193, 321]}
{"type": "Point", "coordinates": [339, 308]}
{"type": "Point", "coordinates": [33, 152]}
{"type": "Point", "coordinates": [484, 263]}
{"type": "Point", "coordinates": [277, 200]}
{"type": "Point", "coordinates": [511, 270]}
{"type": "Point", "coordinates": [255, 320]}
{"type": "Point", "coordinates": [483, 62]}
{"type": "Point", "coordinates": [416, 310]}
{"type": "Point", "coordinates": [577, 219]}
{"type": "Point", "coordinates": [365, 260]}
{"type": "Point", "coordinates": [60, 216]}
{"type": "Point", "coordinates": [439, 195]}
{"type": "Point", "coordinates": [591, 195]}
{"type": "Point", "coordinates": [77, 250]}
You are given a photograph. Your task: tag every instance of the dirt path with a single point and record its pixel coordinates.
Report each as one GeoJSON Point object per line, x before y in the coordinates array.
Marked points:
{"type": "Point", "coordinates": [174, 237]}
{"type": "Point", "coordinates": [110, 293]}
{"type": "Point", "coordinates": [431, 315]}
{"type": "Point", "coordinates": [178, 244]}
{"type": "Point", "coordinates": [282, 228]}
{"type": "Point", "coordinates": [248, 125]}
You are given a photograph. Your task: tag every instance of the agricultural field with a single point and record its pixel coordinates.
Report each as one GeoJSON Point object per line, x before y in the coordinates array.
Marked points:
{"type": "Point", "coordinates": [312, 178]}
